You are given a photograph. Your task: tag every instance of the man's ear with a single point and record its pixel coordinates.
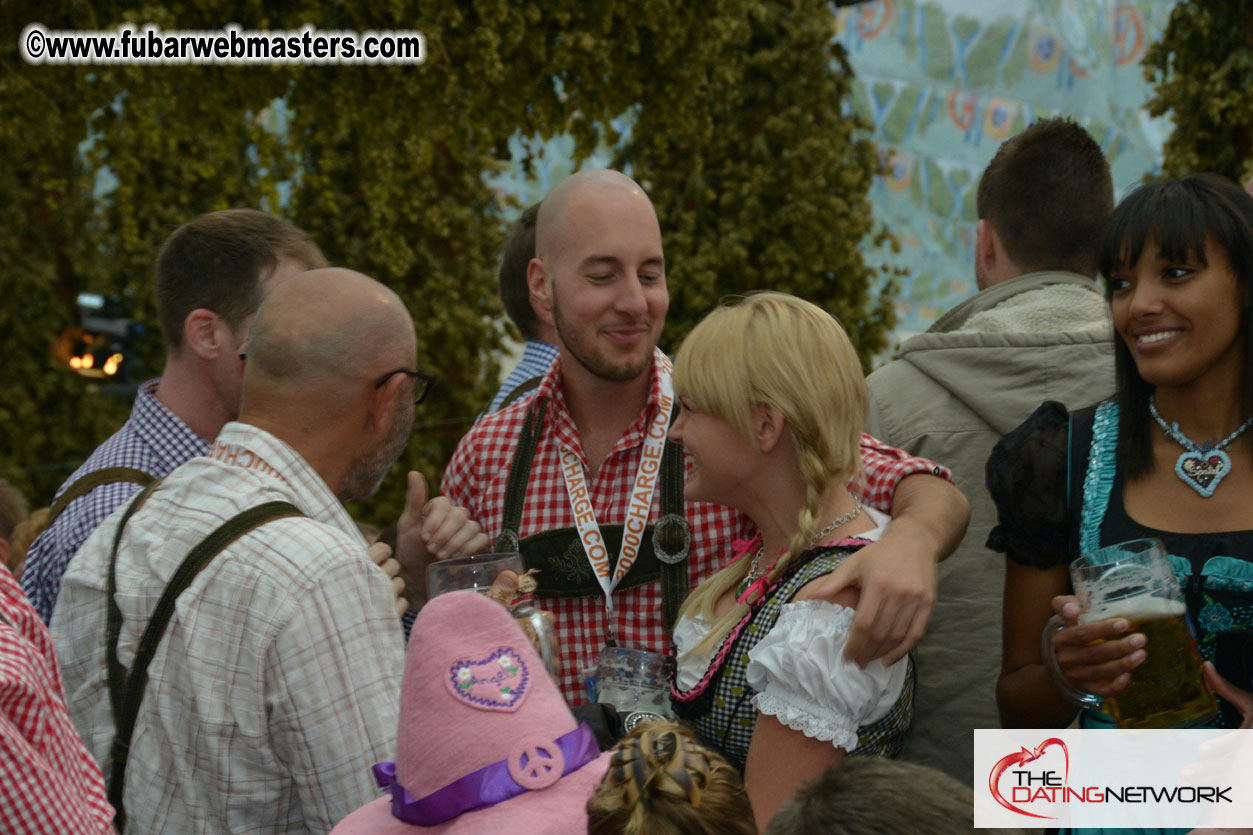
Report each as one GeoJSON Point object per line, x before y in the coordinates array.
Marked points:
{"type": "Point", "coordinates": [540, 286]}
{"type": "Point", "coordinates": [768, 426]}
{"type": "Point", "coordinates": [986, 245]}
{"type": "Point", "coordinates": [206, 334]}
{"type": "Point", "coordinates": [383, 403]}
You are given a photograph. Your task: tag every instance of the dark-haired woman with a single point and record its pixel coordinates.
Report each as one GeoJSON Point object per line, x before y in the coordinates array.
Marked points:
{"type": "Point", "coordinates": [1178, 259]}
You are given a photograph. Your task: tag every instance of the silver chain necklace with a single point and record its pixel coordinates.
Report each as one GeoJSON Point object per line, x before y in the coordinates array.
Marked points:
{"type": "Point", "coordinates": [754, 574]}
{"type": "Point", "coordinates": [1201, 466]}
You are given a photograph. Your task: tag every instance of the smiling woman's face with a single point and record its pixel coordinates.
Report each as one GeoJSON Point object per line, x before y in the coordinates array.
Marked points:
{"type": "Point", "coordinates": [1182, 321]}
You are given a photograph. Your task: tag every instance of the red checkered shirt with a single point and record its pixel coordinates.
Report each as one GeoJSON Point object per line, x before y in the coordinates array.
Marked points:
{"type": "Point", "coordinates": [476, 478]}
{"type": "Point", "coordinates": [49, 783]}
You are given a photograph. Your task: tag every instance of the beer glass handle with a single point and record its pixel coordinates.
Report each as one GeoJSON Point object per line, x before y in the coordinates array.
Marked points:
{"type": "Point", "coordinates": [1072, 693]}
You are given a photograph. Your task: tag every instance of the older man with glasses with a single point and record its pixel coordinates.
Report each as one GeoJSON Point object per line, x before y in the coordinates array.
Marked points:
{"type": "Point", "coordinates": [231, 656]}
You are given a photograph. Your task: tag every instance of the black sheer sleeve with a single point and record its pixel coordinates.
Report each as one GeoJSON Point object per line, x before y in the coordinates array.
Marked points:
{"type": "Point", "coordinates": [1026, 475]}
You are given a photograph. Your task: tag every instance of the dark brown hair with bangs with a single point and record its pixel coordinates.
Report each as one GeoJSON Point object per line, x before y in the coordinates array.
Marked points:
{"type": "Point", "coordinates": [1178, 217]}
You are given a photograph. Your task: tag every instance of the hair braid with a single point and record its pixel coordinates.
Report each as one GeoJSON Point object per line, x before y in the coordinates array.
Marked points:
{"type": "Point", "coordinates": [661, 779]}
{"type": "Point", "coordinates": [813, 472]}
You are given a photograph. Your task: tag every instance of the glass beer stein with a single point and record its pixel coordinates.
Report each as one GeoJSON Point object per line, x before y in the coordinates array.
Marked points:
{"type": "Point", "coordinates": [1134, 581]}
{"type": "Point", "coordinates": [477, 572]}
{"type": "Point", "coordinates": [636, 683]}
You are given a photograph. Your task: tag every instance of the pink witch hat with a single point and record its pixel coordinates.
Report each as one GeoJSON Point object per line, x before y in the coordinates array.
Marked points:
{"type": "Point", "coordinates": [486, 742]}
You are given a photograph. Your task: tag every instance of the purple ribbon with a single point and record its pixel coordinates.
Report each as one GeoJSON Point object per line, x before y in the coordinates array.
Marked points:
{"type": "Point", "coordinates": [488, 786]}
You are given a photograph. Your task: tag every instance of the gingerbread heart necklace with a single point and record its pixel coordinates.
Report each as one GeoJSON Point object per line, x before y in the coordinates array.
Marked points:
{"type": "Point", "coordinates": [1200, 466]}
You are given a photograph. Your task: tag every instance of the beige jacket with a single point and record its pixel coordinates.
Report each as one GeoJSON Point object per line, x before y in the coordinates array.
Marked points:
{"type": "Point", "coordinates": [977, 373]}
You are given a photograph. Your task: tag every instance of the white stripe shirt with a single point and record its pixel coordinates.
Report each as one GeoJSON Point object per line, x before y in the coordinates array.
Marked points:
{"type": "Point", "coordinates": [276, 685]}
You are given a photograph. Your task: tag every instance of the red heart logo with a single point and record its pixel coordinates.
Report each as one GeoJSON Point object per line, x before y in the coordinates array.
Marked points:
{"type": "Point", "coordinates": [1023, 757]}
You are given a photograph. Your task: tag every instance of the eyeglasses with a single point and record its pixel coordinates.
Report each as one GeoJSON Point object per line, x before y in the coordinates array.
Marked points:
{"type": "Point", "coordinates": [423, 381]}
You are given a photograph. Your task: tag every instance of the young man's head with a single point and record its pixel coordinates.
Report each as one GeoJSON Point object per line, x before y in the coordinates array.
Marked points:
{"type": "Point", "coordinates": [515, 296]}
{"type": "Point", "coordinates": [599, 275]}
{"type": "Point", "coordinates": [211, 275]}
{"type": "Point", "coordinates": [1042, 202]}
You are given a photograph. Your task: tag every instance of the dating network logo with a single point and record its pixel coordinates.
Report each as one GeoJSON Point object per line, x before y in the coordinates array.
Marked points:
{"type": "Point", "coordinates": [1116, 777]}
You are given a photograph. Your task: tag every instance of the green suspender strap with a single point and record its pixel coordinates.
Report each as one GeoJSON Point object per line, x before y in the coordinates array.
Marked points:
{"type": "Point", "coordinates": [91, 481]}
{"type": "Point", "coordinates": [559, 555]}
{"type": "Point", "coordinates": [523, 388]}
{"type": "Point", "coordinates": [126, 690]}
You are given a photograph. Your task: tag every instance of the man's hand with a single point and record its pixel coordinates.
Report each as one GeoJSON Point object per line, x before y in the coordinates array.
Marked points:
{"type": "Point", "coordinates": [897, 587]}
{"type": "Point", "coordinates": [429, 531]}
{"type": "Point", "coordinates": [380, 553]}
{"type": "Point", "coordinates": [896, 575]}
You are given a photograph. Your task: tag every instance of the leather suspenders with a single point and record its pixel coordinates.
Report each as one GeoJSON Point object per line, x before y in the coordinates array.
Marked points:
{"type": "Point", "coordinates": [126, 689]}
{"type": "Point", "coordinates": [564, 571]}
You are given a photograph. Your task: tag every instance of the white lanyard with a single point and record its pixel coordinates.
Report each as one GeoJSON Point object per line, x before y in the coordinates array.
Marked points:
{"type": "Point", "coordinates": [642, 490]}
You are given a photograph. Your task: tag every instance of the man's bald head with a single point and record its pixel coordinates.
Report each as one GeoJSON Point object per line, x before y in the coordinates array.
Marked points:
{"type": "Point", "coordinates": [553, 226]}
{"type": "Point", "coordinates": [599, 275]}
{"type": "Point", "coordinates": [326, 327]}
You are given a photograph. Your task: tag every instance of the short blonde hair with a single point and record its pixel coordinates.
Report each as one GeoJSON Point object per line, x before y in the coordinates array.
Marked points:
{"type": "Point", "coordinates": [661, 781]}
{"type": "Point", "coordinates": [774, 348]}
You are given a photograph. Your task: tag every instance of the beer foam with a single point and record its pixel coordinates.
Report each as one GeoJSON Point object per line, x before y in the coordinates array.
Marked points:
{"type": "Point", "coordinates": [1146, 607]}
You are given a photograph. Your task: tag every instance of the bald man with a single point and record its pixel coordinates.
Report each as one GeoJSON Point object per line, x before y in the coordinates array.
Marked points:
{"type": "Point", "coordinates": [274, 687]}
{"type": "Point", "coordinates": [589, 499]}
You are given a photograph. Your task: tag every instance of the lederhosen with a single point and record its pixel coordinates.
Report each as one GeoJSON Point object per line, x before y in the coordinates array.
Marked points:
{"type": "Point", "coordinates": [563, 567]}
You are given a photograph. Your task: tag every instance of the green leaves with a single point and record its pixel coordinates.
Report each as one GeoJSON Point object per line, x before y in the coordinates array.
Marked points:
{"type": "Point", "coordinates": [1203, 71]}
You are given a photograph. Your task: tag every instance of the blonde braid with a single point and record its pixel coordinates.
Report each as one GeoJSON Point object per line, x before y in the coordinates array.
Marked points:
{"type": "Point", "coordinates": [813, 473]}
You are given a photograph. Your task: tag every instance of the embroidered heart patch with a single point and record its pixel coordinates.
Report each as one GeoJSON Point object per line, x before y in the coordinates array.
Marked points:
{"type": "Point", "coordinates": [1202, 471]}
{"type": "Point", "coordinates": [497, 682]}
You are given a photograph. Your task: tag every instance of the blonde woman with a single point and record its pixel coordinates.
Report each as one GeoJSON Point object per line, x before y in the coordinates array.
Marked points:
{"type": "Point", "coordinates": [773, 401]}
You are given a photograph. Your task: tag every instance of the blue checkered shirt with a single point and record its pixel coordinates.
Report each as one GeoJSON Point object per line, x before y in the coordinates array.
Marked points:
{"type": "Point", "coordinates": [536, 358]}
{"type": "Point", "coordinates": [153, 440]}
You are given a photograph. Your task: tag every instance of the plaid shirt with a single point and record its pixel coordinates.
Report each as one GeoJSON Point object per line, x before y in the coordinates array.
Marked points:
{"type": "Point", "coordinates": [277, 683]}
{"type": "Point", "coordinates": [476, 478]}
{"type": "Point", "coordinates": [49, 784]}
{"type": "Point", "coordinates": [536, 358]}
{"type": "Point", "coordinates": [154, 441]}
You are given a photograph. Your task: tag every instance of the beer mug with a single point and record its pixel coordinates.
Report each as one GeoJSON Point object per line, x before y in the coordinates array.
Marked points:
{"type": "Point", "coordinates": [477, 572]}
{"type": "Point", "coordinates": [1134, 581]}
{"type": "Point", "coordinates": [636, 683]}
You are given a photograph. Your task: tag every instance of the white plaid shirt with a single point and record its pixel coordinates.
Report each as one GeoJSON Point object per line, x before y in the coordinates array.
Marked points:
{"type": "Point", "coordinates": [153, 440]}
{"type": "Point", "coordinates": [276, 685]}
{"type": "Point", "coordinates": [476, 476]}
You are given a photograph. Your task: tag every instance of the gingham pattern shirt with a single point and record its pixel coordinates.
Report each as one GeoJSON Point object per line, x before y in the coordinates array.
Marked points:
{"type": "Point", "coordinates": [277, 683]}
{"type": "Point", "coordinates": [476, 478]}
{"type": "Point", "coordinates": [536, 358]}
{"type": "Point", "coordinates": [153, 440]}
{"type": "Point", "coordinates": [48, 781]}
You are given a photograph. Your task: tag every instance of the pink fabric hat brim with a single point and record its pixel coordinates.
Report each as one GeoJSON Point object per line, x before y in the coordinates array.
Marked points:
{"type": "Point", "coordinates": [558, 809]}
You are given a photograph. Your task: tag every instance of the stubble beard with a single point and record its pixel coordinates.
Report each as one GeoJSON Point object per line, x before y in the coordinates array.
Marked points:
{"type": "Point", "coordinates": [592, 359]}
{"type": "Point", "coordinates": [367, 473]}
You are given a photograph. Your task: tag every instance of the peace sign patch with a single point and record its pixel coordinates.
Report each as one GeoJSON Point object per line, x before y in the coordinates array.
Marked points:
{"type": "Point", "coordinates": [536, 764]}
